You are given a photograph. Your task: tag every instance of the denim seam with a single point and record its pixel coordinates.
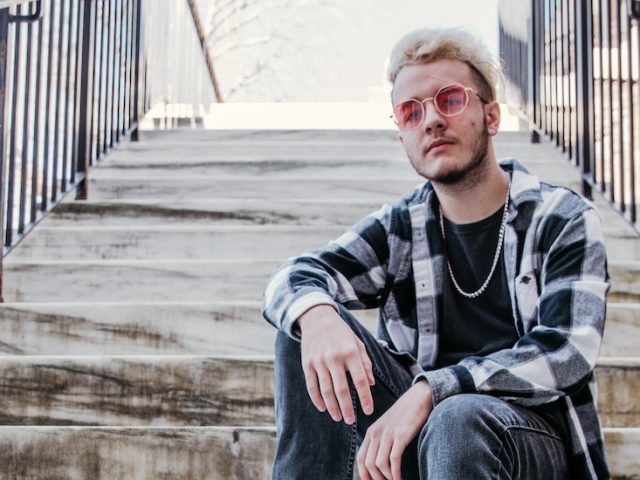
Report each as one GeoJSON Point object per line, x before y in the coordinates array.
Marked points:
{"type": "Point", "coordinates": [353, 437]}
{"type": "Point", "coordinates": [518, 427]}
{"type": "Point", "coordinates": [500, 463]}
{"type": "Point", "coordinates": [386, 381]}
{"type": "Point", "coordinates": [532, 429]}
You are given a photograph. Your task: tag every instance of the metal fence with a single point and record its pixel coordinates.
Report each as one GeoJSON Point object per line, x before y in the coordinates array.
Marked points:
{"type": "Point", "coordinates": [76, 77]}
{"type": "Point", "coordinates": [573, 67]}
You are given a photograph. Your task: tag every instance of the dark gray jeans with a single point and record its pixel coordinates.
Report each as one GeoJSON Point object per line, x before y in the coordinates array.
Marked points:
{"type": "Point", "coordinates": [466, 437]}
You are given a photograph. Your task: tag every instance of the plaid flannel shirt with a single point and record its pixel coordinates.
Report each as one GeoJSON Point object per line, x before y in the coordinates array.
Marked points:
{"type": "Point", "coordinates": [555, 261]}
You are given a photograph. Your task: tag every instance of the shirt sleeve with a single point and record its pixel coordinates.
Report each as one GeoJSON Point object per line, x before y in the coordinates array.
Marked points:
{"type": "Point", "coordinates": [557, 354]}
{"type": "Point", "coordinates": [350, 271]}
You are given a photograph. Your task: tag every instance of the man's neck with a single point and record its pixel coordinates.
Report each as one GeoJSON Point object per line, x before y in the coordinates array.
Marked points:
{"type": "Point", "coordinates": [476, 199]}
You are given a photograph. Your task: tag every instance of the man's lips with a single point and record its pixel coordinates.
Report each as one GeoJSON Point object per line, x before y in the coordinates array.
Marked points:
{"type": "Point", "coordinates": [437, 143]}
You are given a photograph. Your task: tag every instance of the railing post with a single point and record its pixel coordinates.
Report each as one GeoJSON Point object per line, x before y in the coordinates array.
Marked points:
{"type": "Point", "coordinates": [84, 133]}
{"type": "Point", "coordinates": [584, 71]}
{"type": "Point", "coordinates": [533, 78]}
{"type": "Point", "coordinates": [136, 71]}
{"type": "Point", "coordinates": [4, 34]}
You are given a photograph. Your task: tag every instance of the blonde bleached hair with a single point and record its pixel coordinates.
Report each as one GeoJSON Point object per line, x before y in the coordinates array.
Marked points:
{"type": "Point", "coordinates": [428, 45]}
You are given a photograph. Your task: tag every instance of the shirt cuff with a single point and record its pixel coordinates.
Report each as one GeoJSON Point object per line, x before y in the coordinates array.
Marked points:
{"type": "Point", "coordinates": [299, 305]}
{"type": "Point", "coordinates": [446, 382]}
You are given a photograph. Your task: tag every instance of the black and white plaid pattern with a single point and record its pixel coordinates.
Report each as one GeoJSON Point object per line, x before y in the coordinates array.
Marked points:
{"type": "Point", "coordinates": [555, 261]}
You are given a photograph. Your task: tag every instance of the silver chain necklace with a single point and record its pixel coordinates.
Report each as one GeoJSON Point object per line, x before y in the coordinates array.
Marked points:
{"type": "Point", "coordinates": [496, 257]}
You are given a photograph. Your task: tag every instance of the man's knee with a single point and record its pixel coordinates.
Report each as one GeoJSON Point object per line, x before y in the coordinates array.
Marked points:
{"type": "Point", "coordinates": [458, 414]}
{"type": "Point", "coordinates": [458, 429]}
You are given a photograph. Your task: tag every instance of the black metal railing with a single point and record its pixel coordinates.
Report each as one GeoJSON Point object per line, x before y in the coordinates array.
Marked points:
{"type": "Point", "coordinates": [76, 78]}
{"type": "Point", "coordinates": [573, 65]}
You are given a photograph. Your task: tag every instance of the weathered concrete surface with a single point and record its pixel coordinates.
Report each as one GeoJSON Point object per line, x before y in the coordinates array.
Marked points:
{"type": "Point", "coordinates": [154, 167]}
{"type": "Point", "coordinates": [618, 386]}
{"type": "Point", "coordinates": [146, 390]}
{"type": "Point", "coordinates": [135, 328]}
{"type": "Point", "coordinates": [185, 280]}
{"type": "Point", "coordinates": [256, 183]}
{"type": "Point", "coordinates": [622, 243]}
{"type": "Point", "coordinates": [180, 186]}
{"type": "Point", "coordinates": [67, 453]}
{"type": "Point", "coordinates": [185, 242]}
{"type": "Point", "coordinates": [625, 281]}
{"type": "Point", "coordinates": [197, 390]}
{"type": "Point", "coordinates": [273, 149]}
{"type": "Point", "coordinates": [171, 242]}
{"type": "Point", "coordinates": [246, 136]}
{"type": "Point", "coordinates": [622, 330]}
{"type": "Point", "coordinates": [205, 328]}
{"type": "Point", "coordinates": [623, 445]}
{"type": "Point", "coordinates": [223, 212]}
{"type": "Point", "coordinates": [195, 453]}
{"type": "Point", "coordinates": [131, 280]}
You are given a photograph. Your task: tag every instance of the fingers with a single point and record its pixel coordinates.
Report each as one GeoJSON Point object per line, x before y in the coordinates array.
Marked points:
{"type": "Point", "coordinates": [395, 459]}
{"type": "Point", "coordinates": [311, 379]}
{"type": "Point", "coordinates": [366, 361]}
{"type": "Point", "coordinates": [362, 453]}
{"type": "Point", "coordinates": [381, 459]}
{"type": "Point", "coordinates": [326, 363]}
{"type": "Point", "coordinates": [361, 381]}
{"type": "Point", "coordinates": [328, 396]}
{"type": "Point", "coordinates": [343, 394]}
{"type": "Point", "coordinates": [368, 460]}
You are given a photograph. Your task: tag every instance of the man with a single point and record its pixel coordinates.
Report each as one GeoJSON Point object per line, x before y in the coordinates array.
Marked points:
{"type": "Point", "coordinates": [491, 287]}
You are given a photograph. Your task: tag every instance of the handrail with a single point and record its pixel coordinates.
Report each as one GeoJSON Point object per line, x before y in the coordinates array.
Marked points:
{"type": "Point", "coordinates": [573, 70]}
{"type": "Point", "coordinates": [205, 50]}
{"type": "Point", "coordinates": [76, 78]}
{"type": "Point", "coordinates": [12, 3]}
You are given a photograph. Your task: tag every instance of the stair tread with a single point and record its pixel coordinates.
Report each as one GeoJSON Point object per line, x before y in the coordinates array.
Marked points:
{"type": "Point", "coordinates": [199, 390]}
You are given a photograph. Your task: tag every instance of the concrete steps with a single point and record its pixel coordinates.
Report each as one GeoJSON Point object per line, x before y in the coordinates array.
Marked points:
{"type": "Point", "coordinates": [132, 333]}
{"type": "Point", "coordinates": [172, 390]}
{"type": "Point", "coordinates": [185, 280]}
{"type": "Point", "coordinates": [233, 453]}
{"type": "Point", "coordinates": [222, 212]}
{"type": "Point", "coordinates": [135, 328]}
{"type": "Point", "coordinates": [193, 241]}
{"type": "Point", "coordinates": [150, 328]}
{"type": "Point", "coordinates": [125, 453]}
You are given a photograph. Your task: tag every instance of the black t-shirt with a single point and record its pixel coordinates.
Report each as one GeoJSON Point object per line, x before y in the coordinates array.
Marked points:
{"type": "Point", "coordinates": [485, 324]}
{"type": "Point", "coordinates": [481, 325]}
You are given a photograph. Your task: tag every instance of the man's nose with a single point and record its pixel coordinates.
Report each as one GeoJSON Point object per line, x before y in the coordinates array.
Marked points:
{"type": "Point", "coordinates": [433, 120]}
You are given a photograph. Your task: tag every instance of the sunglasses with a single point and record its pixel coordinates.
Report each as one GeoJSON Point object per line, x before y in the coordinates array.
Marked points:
{"type": "Point", "coordinates": [450, 100]}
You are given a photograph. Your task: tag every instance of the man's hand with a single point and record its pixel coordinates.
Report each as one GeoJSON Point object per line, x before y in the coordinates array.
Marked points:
{"type": "Point", "coordinates": [381, 451]}
{"type": "Point", "coordinates": [330, 349]}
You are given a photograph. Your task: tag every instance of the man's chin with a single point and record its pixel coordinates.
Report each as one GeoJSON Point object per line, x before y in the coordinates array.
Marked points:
{"type": "Point", "coordinates": [449, 177]}
{"type": "Point", "coordinates": [441, 173]}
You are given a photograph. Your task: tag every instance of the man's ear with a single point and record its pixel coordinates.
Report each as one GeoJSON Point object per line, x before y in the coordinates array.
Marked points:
{"type": "Point", "coordinates": [493, 118]}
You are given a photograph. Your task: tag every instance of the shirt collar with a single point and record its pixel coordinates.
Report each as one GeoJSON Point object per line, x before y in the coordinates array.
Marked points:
{"type": "Point", "coordinates": [524, 187]}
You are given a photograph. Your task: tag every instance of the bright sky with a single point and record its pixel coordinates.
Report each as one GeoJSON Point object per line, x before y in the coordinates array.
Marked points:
{"type": "Point", "coordinates": [337, 53]}
{"type": "Point", "coordinates": [377, 28]}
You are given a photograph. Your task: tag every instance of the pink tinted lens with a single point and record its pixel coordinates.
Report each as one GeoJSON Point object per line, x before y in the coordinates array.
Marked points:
{"type": "Point", "coordinates": [409, 114]}
{"type": "Point", "coordinates": [451, 100]}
